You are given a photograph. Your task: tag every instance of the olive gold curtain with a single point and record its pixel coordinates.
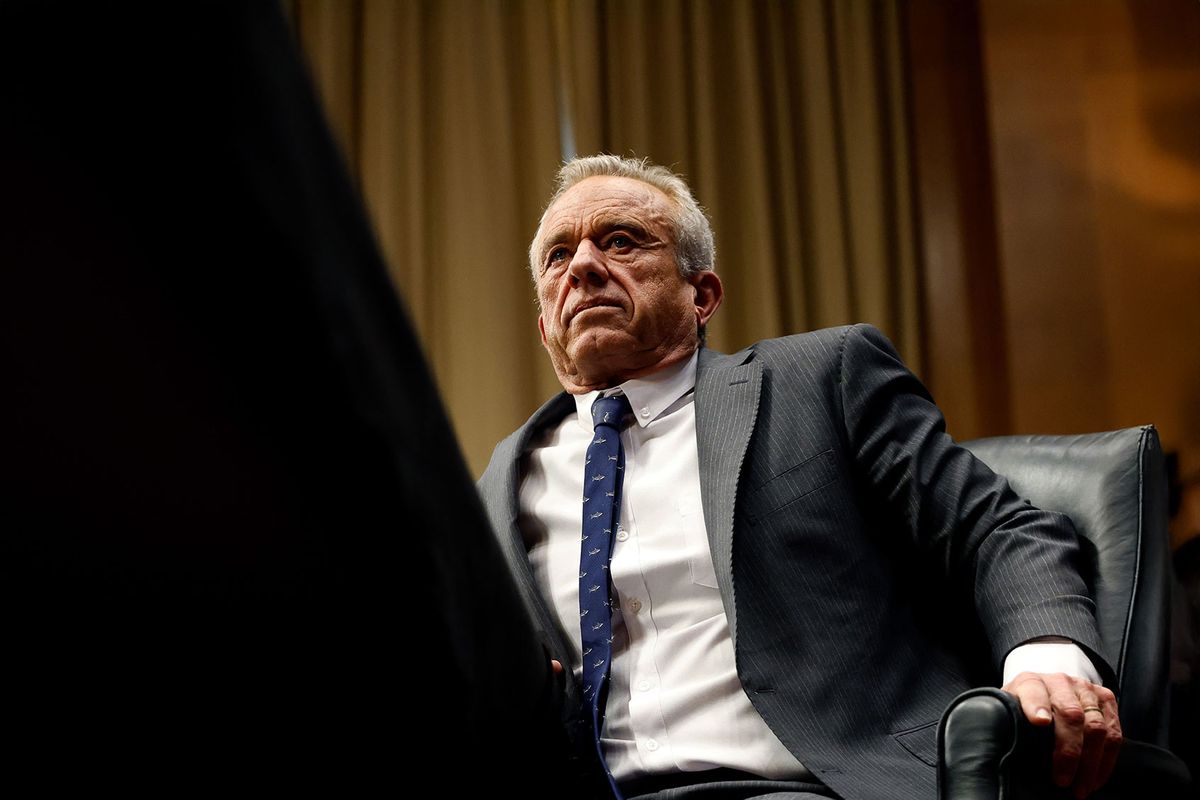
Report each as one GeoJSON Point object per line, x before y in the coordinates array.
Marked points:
{"type": "Point", "coordinates": [787, 118]}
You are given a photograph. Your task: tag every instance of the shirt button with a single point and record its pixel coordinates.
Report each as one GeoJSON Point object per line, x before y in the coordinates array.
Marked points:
{"type": "Point", "coordinates": [622, 535]}
{"type": "Point", "coordinates": [645, 411]}
{"type": "Point", "coordinates": [644, 686]}
{"type": "Point", "coordinates": [651, 745]}
{"type": "Point", "coordinates": [635, 605]}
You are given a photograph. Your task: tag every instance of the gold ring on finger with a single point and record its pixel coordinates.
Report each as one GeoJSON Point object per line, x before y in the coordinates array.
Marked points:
{"type": "Point", "coordinates": [1092, 708]}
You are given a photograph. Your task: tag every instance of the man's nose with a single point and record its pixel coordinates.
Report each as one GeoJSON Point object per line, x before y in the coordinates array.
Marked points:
{"type": "Point", "coordinates": [588, 265]}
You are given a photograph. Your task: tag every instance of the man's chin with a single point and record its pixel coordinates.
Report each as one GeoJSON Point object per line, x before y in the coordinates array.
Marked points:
{"type": "Point", "coordinates": [596, 344]}
{"type": "Point", "coordinates": [583, 369]}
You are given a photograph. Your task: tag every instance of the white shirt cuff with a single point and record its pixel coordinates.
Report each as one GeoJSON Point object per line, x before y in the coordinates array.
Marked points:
{"type": "Point", "coordinates": [1050, 657]}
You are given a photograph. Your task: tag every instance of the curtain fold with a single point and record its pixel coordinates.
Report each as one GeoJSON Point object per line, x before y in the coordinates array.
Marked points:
{"type": "Point", "coordinates": [455, 134]}
{"type": "Point", "coordinates": [788, 119]}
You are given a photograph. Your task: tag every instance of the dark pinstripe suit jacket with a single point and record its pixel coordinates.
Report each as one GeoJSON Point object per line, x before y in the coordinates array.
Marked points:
{"type": "Point", "coordinates": [858, 552]}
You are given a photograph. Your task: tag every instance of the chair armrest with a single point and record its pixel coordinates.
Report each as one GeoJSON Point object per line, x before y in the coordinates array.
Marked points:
{"type": "Point", "coordinates": [977, 738]}
{"type": "Point", "coordinates": [987, 750]}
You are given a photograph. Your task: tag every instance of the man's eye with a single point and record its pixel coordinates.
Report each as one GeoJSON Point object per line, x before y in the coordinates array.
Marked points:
{"type": "Point", "coordinates": [556, 255]}
{"type": "Point", "coordinates": [620, 241]}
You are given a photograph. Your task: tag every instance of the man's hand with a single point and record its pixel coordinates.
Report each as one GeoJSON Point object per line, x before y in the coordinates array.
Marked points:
{"type": "Point", "coordinates": [1087, 732]}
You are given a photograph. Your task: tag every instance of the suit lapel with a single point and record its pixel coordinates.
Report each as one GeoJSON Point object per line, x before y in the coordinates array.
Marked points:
{"type": "Point", "coordinates": [727, 394]}
{"type": "Point", "coordinates": [509, 453]}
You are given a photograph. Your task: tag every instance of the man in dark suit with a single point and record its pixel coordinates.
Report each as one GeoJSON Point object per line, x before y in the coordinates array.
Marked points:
{"type": "Point", "coordinates": [791, 524]}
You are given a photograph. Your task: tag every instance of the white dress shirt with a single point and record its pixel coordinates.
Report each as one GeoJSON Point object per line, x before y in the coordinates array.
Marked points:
{"type": "Point", "coordinates": [675, 702]}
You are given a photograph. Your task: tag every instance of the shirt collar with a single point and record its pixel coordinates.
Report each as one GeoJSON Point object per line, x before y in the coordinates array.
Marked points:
{"type": "Point", "coordinates": [649, 396]}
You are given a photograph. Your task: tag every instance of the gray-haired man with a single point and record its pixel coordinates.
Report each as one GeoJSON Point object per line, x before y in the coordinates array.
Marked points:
{"type": "Point", "coordinates": [765, 638]}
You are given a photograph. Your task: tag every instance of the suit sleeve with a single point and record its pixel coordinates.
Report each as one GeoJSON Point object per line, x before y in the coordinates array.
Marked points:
{"type": "Point", "coordinates": [1021, 562]}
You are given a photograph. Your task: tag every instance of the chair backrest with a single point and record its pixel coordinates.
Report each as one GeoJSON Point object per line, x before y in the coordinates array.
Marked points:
{"type": "Point", "coordinates": [1113, 487]}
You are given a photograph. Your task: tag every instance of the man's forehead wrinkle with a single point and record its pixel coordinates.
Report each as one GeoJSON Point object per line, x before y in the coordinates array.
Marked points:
{"type": "Point", "coordinates": [624, 202]}
{"type": "Point", "coordinates": [613, 214]}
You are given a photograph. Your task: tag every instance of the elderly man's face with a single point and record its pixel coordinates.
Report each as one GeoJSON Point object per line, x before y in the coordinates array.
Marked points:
{"type": "Point", "coordinates": [613, 304]}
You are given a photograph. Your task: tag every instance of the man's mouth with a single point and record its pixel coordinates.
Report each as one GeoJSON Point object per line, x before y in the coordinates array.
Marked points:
{"type": "Point", "coordinates": [588, 305]}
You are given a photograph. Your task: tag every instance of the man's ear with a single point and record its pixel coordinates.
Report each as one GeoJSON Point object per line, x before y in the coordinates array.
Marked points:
{"type": "Point", "coordinates": [709, 294]}
{"type": "Point", "coordinates": [542, 329]}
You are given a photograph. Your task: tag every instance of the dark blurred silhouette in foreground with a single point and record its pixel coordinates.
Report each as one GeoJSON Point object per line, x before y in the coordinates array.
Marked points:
{"type": "Point", "coordinates": [237, 540]}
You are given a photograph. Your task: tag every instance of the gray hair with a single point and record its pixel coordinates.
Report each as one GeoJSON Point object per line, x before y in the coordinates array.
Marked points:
{"type": "Point", "coordinates": [695, 249]}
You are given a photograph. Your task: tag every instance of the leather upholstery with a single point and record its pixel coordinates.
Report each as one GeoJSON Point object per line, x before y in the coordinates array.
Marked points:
{"type": "Point", "coordinates": [976, 735]}
{"type": "Point", "coordinates": [990, 751]}
{"type": "Point", "coordinates": [1112, 485]}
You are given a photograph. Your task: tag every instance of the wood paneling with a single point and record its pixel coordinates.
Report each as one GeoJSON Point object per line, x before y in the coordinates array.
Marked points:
{"type": "Point", "coordinates": [1095, 115]}
{"type": "Point", "coordinates": [1076, 207]}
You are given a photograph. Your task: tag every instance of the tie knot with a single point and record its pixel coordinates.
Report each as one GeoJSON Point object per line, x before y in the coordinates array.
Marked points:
{"type": "Point", "coordinates": [609, 411]}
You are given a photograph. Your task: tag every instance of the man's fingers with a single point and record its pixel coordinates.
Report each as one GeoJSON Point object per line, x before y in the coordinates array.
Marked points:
{"type": "Point", "coordinates": [1033, 696]}
{"type": "Point", "coordinates": [1068, 728]}
{"type": "Point", "coordinates": [1113, 737]}
{"type": "Point", "coordinates": [1087, 731]}
{"type": "Point", "coordinates": [1095, 734]}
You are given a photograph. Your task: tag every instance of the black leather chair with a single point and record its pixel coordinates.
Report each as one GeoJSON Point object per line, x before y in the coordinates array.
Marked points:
{"type": "Point", "coordinates": [1112, 485]}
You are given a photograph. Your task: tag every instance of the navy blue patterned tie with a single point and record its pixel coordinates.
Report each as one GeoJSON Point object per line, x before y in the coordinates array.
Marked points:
{"type": "Point", "coordinates": [602, 476]}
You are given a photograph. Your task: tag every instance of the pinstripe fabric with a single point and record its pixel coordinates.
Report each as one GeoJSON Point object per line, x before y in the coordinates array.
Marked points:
{"type": "Point", "coordinates": [743, 790]}
{"type": "Point", "coordinates": [862, 557]}
{"type": "Point", "coordinates": [498, 491]}
{"type": "Point", "coordinates": [727, 394]}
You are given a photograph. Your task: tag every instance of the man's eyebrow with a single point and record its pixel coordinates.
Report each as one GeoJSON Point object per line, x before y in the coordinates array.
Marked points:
{"type": "Point", "coordinates": [561, 236]}
{"type": "Point", "coordinates": [609, 224]}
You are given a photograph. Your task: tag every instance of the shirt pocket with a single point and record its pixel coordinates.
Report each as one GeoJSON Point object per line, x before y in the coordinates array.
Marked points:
{"type": "Point", "coordinates": [691, 521]}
